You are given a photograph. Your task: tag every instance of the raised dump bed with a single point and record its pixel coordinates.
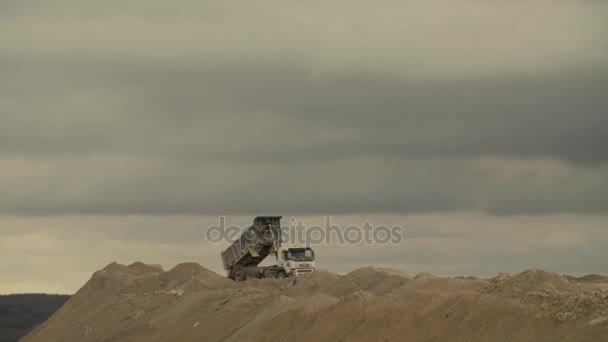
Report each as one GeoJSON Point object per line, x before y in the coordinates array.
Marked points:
{"type": "Point", "coordinates": [255, 244]}
{"type": "Point", "coordinates": [263, 238]}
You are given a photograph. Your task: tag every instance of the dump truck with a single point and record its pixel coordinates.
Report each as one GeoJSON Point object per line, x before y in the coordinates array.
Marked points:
{"type": "Point", "coordinates": [242, 258]}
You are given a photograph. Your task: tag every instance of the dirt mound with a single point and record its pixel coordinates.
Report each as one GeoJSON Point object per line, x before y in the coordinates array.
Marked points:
{"type": "Point", "coordinates": [140, 302]}
{"type": "Point", "coordinates": [557, 296]}
{"type": "Point", "coordinates": [590, 278]}
{"type": "Point", "coordinates": [424, 276]}
{"type": "Point", "coordinates": [375, 280]}
{"type": "Point", "coordinates": [530, 283]}
{"type": "Point", "coordinates": [189, 267]}
{"type": "Point", "coordinates": [141, 268]}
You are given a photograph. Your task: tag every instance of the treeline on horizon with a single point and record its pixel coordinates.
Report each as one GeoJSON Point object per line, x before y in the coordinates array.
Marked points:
{"type": "Point", "coordinates": [21, 313]}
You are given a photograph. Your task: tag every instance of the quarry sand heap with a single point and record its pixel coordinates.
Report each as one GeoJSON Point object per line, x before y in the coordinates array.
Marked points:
{"type": "Point", "coordinates": [142, 302]}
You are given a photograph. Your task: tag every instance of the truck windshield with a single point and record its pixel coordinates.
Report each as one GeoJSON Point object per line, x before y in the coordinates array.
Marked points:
{"type": "Point", "coordinates": [301, 254]}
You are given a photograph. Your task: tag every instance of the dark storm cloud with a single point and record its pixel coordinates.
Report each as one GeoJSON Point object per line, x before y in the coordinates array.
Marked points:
{"type": "Point", "coordinates": [160, 110]}
{"type": "Point", "coordinates": [124, 186]}
{"type": "Point", "coordinates": [559, 116]}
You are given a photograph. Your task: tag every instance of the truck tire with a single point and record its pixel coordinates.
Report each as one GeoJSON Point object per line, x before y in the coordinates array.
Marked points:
{"type": "Point", "coordinates": [268, 273]}
{"type": "Point", "coordinates": [240, 276]}
{"type": "Point", "coordinates": [281, 274]}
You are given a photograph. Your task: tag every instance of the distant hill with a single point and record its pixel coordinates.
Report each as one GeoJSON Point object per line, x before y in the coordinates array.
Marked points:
{"type": "Point", "coordinates": [20, 313]}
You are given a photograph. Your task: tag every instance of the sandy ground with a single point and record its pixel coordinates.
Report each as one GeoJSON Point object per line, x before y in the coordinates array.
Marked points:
{"type": "Point", "coordinates": [190, 303]}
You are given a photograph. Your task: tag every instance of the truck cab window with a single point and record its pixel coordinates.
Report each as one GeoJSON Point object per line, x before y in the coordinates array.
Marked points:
{"type": "Point", "coordinates": [301, 254]}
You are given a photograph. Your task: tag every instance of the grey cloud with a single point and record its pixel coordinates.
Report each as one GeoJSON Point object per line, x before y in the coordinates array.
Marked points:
{"type": "Point", "coordinates": [210, 109]}
{"type": "Point", "coordinates": [376, 184]}
{"type": "Point", "coordinates": [453, 40]}
{"type": "Point", "coordinates": [241, 111]}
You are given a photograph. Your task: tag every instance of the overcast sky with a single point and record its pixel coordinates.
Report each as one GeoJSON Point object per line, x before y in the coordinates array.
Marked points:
{"type": "Point", "coordinates": [126, 127]}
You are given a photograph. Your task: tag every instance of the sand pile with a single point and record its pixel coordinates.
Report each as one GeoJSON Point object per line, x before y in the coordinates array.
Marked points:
{"type": "Point", "coordinates": [591, 278]}
{"type": "Point", "coordinates": [142, 302]}
{"type": "Point", "coordinates": [557, 296]}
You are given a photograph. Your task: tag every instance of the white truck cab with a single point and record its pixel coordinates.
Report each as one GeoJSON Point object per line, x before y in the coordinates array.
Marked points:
{"type": "Point", "coordinates": [296, 260]}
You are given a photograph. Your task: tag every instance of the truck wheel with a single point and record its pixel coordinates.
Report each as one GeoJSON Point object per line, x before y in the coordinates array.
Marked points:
{"type": "Point", "coordinates": [240, 276]}
{"type": "Point", "coordinates": [281, 274]}
{"type": "Point", "coordinates": [269, 274]}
